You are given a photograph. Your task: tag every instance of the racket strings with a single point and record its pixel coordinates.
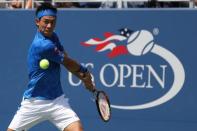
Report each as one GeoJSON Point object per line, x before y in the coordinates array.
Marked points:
{"type": "Point", "coordinates": [104, 107]}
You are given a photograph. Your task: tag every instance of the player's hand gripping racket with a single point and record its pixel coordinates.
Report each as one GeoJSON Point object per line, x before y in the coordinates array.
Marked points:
{"type": "Point", "coordinates": [101, 99]}
{"type": "Point", "coordinates": [103, 105]}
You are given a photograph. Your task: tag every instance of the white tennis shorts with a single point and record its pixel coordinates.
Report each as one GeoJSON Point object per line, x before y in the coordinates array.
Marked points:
{"type": "Point", "coordinates": [34, 111]}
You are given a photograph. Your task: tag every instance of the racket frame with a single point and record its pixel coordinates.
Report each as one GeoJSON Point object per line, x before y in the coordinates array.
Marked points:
{"type": "Point", "coordinates": [97, 104]}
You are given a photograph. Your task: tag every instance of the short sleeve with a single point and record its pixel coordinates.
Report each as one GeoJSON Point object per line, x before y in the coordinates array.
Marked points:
{"type": "Point", "coordinates": [58, 44]}
{"type": "Point", "coordinates": [53, 53]}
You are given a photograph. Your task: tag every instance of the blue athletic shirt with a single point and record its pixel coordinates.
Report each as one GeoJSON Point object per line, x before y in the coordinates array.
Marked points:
{"type": "Point", "coordinates": [44, 83]}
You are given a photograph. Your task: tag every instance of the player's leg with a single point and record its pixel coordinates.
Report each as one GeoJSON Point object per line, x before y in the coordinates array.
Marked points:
{"type": "Point", "coordinates": [63, 117]}
{"type": "Point", "coordinates": [24, 121]}
{"type": "Point", "coordinates": [27, 116]}
{"type": "Point", "coordinates": [66, 120]}
{"type": "Point", "coordinates": [75, 126]}
{"type": "Point", "coordinates": [10, 129]}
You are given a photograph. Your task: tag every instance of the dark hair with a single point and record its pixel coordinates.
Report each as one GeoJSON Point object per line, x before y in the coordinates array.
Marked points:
{"type": "Point", "coordinates": [45, 6]}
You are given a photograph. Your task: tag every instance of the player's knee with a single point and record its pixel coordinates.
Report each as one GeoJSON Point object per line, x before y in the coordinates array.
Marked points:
{"type": "Point", "coordinates": [10, 129]}
{"type": "Point", "coordinates": [75, 126]}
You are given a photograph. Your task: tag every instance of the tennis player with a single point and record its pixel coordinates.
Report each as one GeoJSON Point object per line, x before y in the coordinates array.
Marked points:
{"type": "Point", "coordinates": [44, 98]}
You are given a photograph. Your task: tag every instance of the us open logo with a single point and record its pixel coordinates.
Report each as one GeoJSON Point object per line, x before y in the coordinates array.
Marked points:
{"type": "Point", "coordinates": [138, 44]}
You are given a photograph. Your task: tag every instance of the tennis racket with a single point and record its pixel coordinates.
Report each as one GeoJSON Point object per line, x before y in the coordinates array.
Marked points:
{"type": "Point", "coordinates": [103, 105]}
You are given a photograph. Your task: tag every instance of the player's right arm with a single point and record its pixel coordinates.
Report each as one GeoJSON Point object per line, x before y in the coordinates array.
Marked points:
{"type": "Point", "coordinates": [79, 71]}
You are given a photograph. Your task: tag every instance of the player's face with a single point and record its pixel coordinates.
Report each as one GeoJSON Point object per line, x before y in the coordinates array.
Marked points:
{"type": "Point", "coordinates": [46, 25]}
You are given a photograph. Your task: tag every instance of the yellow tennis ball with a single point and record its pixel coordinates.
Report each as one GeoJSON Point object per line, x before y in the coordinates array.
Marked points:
{"type": "Point", "coordinates": [44, 64]}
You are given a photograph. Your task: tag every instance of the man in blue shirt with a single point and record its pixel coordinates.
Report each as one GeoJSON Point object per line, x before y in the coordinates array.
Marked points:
{"type": "Point", "coordinates": [44, 97]}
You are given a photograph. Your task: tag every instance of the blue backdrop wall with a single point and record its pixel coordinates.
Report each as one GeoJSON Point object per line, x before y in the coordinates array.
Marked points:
{"type": "Point", "coordinates": [144, 59]}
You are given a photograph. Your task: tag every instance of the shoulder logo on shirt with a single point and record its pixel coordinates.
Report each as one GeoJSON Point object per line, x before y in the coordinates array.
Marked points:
{"type": "Point", "coordinates": [58, 52]}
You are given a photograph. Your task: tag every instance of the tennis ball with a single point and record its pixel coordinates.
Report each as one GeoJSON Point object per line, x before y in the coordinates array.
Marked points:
{"type": "Point", "coordinates": [44, 64]}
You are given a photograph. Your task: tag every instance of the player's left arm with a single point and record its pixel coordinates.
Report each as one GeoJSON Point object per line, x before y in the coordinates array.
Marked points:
{"type": "Point", "coordinates": [78, 70]}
